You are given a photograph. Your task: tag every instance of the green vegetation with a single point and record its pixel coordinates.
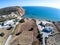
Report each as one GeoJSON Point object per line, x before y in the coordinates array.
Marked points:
{"type": "Point", "coordinates": [21, 21]}
{"type": "Point", "coordinates": [2, 20]}
{"type": "Point", "coordinates": [4, 12]}
{"type": "Point", "coordinates": [16, 27]}
{"type": "Point", "coordinates": [2, 34]}
{"type": "Point", "coordinates": [8, 10]}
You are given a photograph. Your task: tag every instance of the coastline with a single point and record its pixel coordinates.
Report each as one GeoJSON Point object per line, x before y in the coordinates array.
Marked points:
{"type": "Point", "coordinates": [27, 24]}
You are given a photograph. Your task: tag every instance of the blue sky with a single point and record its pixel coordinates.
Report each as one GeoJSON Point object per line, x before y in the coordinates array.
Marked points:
{"type": "Point", "coordinates": [49, 3]}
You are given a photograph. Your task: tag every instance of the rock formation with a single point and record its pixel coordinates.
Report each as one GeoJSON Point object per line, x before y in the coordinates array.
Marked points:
{"type": "Point", "coordinates": [11, 12]}
{"type": "Point", "coordinates": [26, 34]}
{"type": "Point", "coordinates": [8, 10]}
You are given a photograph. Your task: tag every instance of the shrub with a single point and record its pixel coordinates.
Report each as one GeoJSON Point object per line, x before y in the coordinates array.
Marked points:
{"type": "Point", "coordinates": [21, 21]}
{"type": "Point", "coordinates": [2, 34]}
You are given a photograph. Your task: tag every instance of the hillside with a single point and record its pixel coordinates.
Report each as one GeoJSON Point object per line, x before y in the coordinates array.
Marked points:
{"type": "Point", "coordinates": [11, 13]}
{"type": "Point", "coordinates": [8, 10]}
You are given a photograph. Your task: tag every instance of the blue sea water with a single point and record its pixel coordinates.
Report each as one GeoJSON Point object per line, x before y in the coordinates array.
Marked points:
{"type": "Point", "coordinates": [39, 12]}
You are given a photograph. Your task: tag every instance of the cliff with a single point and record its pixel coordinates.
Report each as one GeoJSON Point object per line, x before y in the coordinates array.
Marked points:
{"type": "Point", "coordinates": [8, 10]}
{"type": "Point", "coordinates": [11, 12]}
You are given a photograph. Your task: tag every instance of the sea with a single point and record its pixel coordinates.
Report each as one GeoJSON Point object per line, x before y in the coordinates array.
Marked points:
{"type": "Point", "coordinates": [42, 13]}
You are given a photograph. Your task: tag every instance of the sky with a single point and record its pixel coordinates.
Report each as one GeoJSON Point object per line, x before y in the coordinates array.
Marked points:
{"type": "Point", "coordinates": [48, 3]}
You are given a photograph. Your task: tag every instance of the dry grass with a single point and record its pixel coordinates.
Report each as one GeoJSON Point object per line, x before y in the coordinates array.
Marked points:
{"type": "Point", "coordinates": [4, 38]}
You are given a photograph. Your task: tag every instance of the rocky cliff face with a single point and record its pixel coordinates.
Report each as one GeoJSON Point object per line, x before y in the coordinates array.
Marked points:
{"type": "Point", "coordinates": [16, 9]}
{"type": "Point", "coordinates": [26, 33]}
{"type": "Point", "coordinates": [11, 12]}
